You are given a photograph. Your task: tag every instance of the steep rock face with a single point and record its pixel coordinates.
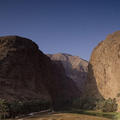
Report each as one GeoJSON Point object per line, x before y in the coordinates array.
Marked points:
{"type": "Point", "coordinates": [75, 68]}
{"type": "Point", "coordinates": [104, 67]}
{"type": "Point", "coordinates": [19, 69]}
{"type": "Point", "coordinates": [26, 73]}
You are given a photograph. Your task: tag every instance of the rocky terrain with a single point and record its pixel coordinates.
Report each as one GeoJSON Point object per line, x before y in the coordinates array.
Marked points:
{"type": "Point", "coordinates": [75, 68]}
{"type": "Point", "coordinates": [26, 73]}
{"type": "Point", "coordinates": [104, 68]}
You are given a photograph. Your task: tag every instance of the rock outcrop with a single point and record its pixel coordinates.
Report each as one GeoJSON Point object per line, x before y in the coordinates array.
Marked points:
{"type": "Point", "coordinates": [75, 68]}
{"type": "Point", "coordinates": [104, 67]}
{"type": "Point", "coordinates": [27, 73]}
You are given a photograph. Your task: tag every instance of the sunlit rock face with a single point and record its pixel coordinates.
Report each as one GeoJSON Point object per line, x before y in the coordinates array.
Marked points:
{"type": "Point", "coordinates": [104, 66]}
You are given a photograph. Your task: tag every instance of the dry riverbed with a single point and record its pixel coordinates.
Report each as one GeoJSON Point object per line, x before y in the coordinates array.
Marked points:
{"type": "Point", "coordinates": [63, 116]}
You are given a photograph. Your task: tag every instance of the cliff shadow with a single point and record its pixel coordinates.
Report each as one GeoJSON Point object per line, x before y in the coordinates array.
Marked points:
{"type": "Point", "coordinates": [91, 87]}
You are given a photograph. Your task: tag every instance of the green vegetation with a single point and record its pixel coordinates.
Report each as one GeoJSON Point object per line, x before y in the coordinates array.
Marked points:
{"type": "Point", "coordinates": [16, 108]}
{"type": "Point", "coordinates": [108, 105]}
{"type": "Point", "coordinates": [110, 115]}
{"type": "Point", "coordinates": [117, 116]}
{"type": "Point", "coordinates": [25, 107]}
{"type": "Point", "coordinates": [84, 103]}
{"type": "Point", "coordinates": [3, 109]}
{"type": "Point", "coordinates": [91, 106]}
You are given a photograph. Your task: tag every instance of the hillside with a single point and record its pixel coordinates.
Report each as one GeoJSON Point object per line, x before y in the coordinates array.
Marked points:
{"type": "Point", "coordinates": [75, 68]}
{"type": "Point", "coordinates": [26, 73]}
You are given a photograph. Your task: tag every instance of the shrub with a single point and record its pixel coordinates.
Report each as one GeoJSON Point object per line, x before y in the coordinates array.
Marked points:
{"type": "Point", "coordinates": [25, 107]}
{"type": "Point", "coordinates": [3, 109]}
{"type": "Point", "coordinates": [89, 103]}
{"type": "Point", "coordinates": [110, 105]}
{"type": "Point", "coordinates": [15, 108]}
{"type": "Point", "coordinates": [99, 104]}
{"type": "Point", "coordinates": [84, 103]}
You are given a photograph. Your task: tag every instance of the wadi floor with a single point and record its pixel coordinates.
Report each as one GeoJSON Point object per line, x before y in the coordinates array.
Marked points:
{"type": "Point", "coordinates": [64, 116]}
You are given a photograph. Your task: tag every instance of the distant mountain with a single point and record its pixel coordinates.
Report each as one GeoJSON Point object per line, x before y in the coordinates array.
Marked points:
{"type": "Point", "coordinates": [75, 68]}
{"type": "Point", "coordinates": [26, 73]}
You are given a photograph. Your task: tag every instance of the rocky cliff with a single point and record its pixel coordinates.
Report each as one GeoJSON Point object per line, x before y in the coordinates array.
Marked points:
{"type": "Point", "coordinates": [104, 67]}
{"type": "Point", "coordinates": [27, 73]}
{"type": "Point", "coordinates": [75, 68]}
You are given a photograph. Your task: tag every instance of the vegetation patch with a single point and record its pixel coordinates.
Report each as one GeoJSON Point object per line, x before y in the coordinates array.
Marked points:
{"type": "Point", "coordinates": [104, 105]}
{"type": "Point", "coordinates": [110, 115]}
{"type": "Point", "coordinates": [17, 108]}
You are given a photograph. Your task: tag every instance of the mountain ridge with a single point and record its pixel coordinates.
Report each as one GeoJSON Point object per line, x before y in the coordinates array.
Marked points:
{"type": "Point", "coordinates": [75, 67]}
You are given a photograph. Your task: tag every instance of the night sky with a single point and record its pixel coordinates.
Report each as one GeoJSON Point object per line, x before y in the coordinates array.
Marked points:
{"type": "Point", "coordinates": [66, 26]}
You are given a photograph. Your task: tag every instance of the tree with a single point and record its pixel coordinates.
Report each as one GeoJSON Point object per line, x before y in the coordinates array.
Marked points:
{"type": "Point", "coordinates": [3, 109]}
{"type": "Point", "coordinates": [110, 105]}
